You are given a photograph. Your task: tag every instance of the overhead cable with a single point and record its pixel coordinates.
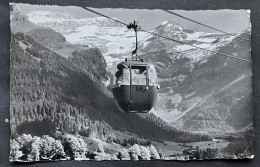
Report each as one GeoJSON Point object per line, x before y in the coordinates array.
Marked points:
{"type": "Point", "coordinates": [156, 34]}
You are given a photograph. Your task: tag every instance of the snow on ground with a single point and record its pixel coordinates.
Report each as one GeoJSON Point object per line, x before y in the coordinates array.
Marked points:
{"type": "Point", "coordinates": [118, 39]}
{"type": "Point", "coordinates": [39, 17]}
{"type": "Point", "coordinates": [22, 45]}
{"type": "Point", "coordinates": [199, 36]}
{"type": "Point", "coordinates": [194, 35]}
{"type": "Point", "coordinates": [165, 22]}
{"type": "Point", "coordinates": [204, 45]}
{"type": "Point", "coordinates": [196, 54]}
{"type": "Point", "coordinates": [110, 37]}
{"type": "Point", "coordinates": [115, 39]}
{"type": "Point", "coordinates": [174, 114]}
{"type": "Point", "coordinates": [183, 48]}
{"type": "Point", "coordinates": [110, 40]}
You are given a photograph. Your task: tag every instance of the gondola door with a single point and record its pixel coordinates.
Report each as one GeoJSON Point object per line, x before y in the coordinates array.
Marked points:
{"type": "Point", "coordinates": [139, 89]}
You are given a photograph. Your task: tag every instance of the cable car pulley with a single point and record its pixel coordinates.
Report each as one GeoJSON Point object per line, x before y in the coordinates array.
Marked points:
{"type": "Point", "coordinates": [135, 26]}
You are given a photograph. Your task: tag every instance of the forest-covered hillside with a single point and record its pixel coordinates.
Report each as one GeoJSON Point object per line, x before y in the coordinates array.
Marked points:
{"type": "Point", "coordinates": [52, 91]}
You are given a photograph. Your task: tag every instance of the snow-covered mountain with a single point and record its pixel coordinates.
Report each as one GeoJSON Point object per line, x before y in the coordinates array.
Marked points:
{"type": "Point", "coordinates": [200, 91]}
{"type": "Point", "coordinates": [111, 38]}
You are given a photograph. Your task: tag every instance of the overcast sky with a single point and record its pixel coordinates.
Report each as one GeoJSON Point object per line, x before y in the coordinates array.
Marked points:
{"type": "Point", "coordinates": [226, 20]}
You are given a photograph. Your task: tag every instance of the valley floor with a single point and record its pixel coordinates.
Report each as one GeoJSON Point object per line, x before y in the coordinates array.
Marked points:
{"type": "Point", "coordinates": [167, 148]}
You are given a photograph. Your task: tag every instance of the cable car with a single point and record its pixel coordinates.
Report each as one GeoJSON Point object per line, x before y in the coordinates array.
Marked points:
{"type": "Point", "coordinates": [135, 86]}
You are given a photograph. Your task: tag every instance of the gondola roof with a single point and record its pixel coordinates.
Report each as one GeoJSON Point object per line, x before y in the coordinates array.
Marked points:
{"type": "Point", "coordinates": [126, 64]}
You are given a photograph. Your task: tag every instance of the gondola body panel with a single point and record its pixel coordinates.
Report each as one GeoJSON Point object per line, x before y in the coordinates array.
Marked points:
{"type": "Point", "coordinates": [135, 98]}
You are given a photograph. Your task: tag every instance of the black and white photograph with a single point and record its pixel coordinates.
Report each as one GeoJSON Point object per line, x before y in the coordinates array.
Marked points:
{"type": "Point", "coordinates": [129, 84]}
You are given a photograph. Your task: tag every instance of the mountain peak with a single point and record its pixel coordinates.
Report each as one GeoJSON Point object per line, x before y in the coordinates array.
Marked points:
{"type": "Point", "coordinates": [165, 22]}
{"type": "Point", "coordinates": [172, 29]}
{"type": "Point", "coordinates": [171, 25]}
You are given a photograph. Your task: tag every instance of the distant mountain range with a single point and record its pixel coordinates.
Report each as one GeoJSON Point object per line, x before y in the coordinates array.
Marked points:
{"type": "Point", "coordinates": [60, 88]}
{"type": "Point", "coordinates": [200, 91]}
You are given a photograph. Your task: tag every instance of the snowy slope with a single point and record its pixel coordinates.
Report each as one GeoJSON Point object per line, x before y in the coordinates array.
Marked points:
{"type": "Point", "coordinates": [115, 40]}
{"type": "Point", "coordinates": [110, 37]}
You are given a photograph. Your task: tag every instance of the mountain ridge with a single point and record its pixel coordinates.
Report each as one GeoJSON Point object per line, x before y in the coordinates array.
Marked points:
{"type": "Point", "coordinates": [187, 75]}
{"type": "Point", "coordinates": [58, 91]}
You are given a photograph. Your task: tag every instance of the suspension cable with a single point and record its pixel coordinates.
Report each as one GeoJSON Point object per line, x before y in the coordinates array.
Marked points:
{"type": "Point", "coordinates": [205, 25]}
{"type": "Point", "coordinates": [215, 52]}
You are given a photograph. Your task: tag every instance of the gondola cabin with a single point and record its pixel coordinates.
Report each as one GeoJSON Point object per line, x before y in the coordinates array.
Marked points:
{"type": "Point", "coordinates": [135, 86]}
